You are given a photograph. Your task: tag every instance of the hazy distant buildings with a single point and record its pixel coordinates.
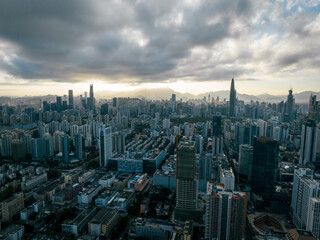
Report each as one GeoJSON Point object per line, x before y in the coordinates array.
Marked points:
{"type": "Point", "coordinates": [91, 100]}
{"type": "Point", "coordinates": [174, 104]}
{"type": "Point", "coordinates": [71, 99]}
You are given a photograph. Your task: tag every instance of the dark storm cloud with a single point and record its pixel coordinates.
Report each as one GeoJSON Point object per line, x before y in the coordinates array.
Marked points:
{"type": "Point", "coordinates": [53, 39]}
{"type": "Point", "coordinates": [145, 40]}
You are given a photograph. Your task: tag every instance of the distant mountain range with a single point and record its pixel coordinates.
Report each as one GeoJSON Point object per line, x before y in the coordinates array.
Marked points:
{"type": "Point", "coordinates": [166, 93]}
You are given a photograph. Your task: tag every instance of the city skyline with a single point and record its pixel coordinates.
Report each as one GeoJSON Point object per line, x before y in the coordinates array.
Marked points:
{"type": "Point", "coordinates": [191, 46]}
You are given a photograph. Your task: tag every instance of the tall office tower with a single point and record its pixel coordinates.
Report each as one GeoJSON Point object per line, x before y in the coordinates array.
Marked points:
{"type": "Point", "coordinates": [91, 99]}
{"type": "Point", "coordinates": [245, 162]}
{"type": "Point", "coordinates": [225, 214]}
{"type": "Point", "coordinates": [314, 108]}
{"type": "Point", "coordinates": [264, 166]}
{"type": "Point", "coordinates": [309, 139]}
{"type": "Point", "coordinates": [115, 102]}
{"type": "Point", "coordinates": [71, 99]}
{"type": "Point", "coordinates": [105, 145]}
{"type": "Point", "coordinates": [216, 125]}
{"type": "Point", "coordinates": [187, 179]}
{"type": "Point", "coordinates": [104, 109]}
{"type": "Point", "coordinates": [205, 171]}
{"type": "Point", "coordinates": [78, 146]}
{"type": "Point", "coordinates": [65, 147]}
{"type": "Point", "coordinates": [304, 188]}
{"type": "Point", "coordinates": [313, 221]}
{"type": "Point", "coordinates": [232, 101]}
{"type": "Point", "coordinates": [289, 106]}
{"type": "Point", "coordinates": [59, 103]}
{"type": "Point", "coordinates": [217, 138]}
{"type": "Point", "coordinates": [174, 104]}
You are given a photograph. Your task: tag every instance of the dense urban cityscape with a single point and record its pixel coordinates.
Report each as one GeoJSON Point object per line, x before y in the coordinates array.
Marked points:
{"type": "Point", "coordinates": [160, 120]}
{"type": "Point", "coordinates": [75, 167]}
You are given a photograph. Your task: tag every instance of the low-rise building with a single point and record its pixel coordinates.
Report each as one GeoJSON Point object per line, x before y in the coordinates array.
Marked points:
{"type": "Point", "coordinates": [138, 182]}
{"type": "Point", "coordinates": [75, 225]}
{"type": "Point", "coordinates": [12, 206]}
{"type": "Point", "coordinates": [86, 196]}
{"type": "Point", "coordinates": [103, 222]}
{"type": "Point", "coordinates": [13, 232]}
{"type": "Point", "coordinates": [30, 184]}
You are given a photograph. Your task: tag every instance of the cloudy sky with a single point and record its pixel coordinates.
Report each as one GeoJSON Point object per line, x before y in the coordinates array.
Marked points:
{"type": "Point", "coordinates": [189, 45]}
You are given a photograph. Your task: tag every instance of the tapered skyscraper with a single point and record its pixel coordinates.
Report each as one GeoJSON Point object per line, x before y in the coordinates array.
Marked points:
{"type": "Point", "coordinates": [232, 100]}
{"type": "Point", "coordinates": [91, 99]}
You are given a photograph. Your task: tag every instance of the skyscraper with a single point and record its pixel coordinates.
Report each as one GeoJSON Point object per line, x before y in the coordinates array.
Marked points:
{"type": "Point", "coordinates": [304, 188]}
{"type": "Point", "coordinates": [65, 147]}
{"type": "Point", "coordinates": [225, 213]}
{"type": "Point", "coordinates": [71, 99]}
{"type": "Point", "coordinates": [187, 179]}
{"type": "Point", "coordinates": [78, 146]}
{"type": "Point", "coordinates": [245, 161]}
{"type": "Point", "coordinates": [314, 108]}
{"type": "Point", "coordinates": [232, 101]}
{"type": "Point", "coordinates": [105, 145]}
{"type": "Point", "coordinates": [174, 105]}
{"type": "Point", "coordinates": [264, 166]}
{"type": "Point", "coordinates": [59, 103]}
{"type": "Point", "coordinates": [289, 106]}
{"type": "Point", "coordinates": [217, 138]}
{"type": "Point", "coordinates": [91, 99]}
{"type": "Point", "coordinates": [309, 139]}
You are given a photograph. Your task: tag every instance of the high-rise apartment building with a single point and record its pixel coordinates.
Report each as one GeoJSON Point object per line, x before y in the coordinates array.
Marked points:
{"type": "Point", "coordinates": [105, 145]}
{"type": "Point", "coordinates": [309, 139]}
{"type": "Point", "coordinates": [226, 213]}
{"type": "Point", "coordinates": [313, 221]}
{"type": "Point", "coordinates": [304, 188]}
{"type": "Point", "coordinates": [187, 179]}
{"type": "Point", "coordinates": [314, 108]}
{"type": "Point", "coordinates": [264, 166]}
